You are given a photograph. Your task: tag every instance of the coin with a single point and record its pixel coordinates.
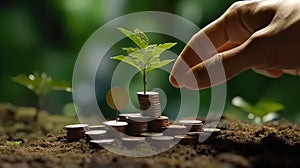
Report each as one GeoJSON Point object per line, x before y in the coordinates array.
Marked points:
{"type": "Point", "coordinates": [175, 130]}
{"type": "Point", "coordinates": [163, 138]}
{"type": "Point", "coordinates": [99, 144]}
{"type": "Point", "coordinates": [117, 98]}
{"type": "Point", "coordinates": [149, 104]}
{"type": "Point", "coordinates": [161, 141]}
{"type": "Point", "coordinates": [132, 142]}
{"type": "Point", "coordinates": [213, 131]}
{"type": "Point", "coordinates": [76, 126]}
{"type": "Point", "coordinates": [136, 127]}
{"type": "Point", "coordinates": [193, 125]}
{"type": "Point", "coordinates": [186, 139]}
{"type": "Point", "coordinates": [151, 134]}
{"type": "Point", "coordinates": [75, 132]}
{"type": "Point", "coordinates": [114, 125]}
{"type": "Point", "coordinates": [97, 127]}
{"type": "Point", "coordinates": [94, 135]}
{"type": "Point", "coordinates": [158, 124]}
{"type": "Point", "coordinates": [190, 122]}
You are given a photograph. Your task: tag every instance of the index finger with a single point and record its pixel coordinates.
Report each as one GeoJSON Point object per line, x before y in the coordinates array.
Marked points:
{"type": "Point", "coordinates": [232, 29]}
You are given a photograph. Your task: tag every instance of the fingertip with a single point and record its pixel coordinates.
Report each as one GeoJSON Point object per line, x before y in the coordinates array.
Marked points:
{"type": "Point", "coordinates": [275, 73]}
{"type": "Point", "coordinates": [196, 80]}
{"type": "Point", "coordinates": [173, 81]}
{"type": "Point", "coordinates": [179, 69]}
{"type": "Point", "coordinates": [271, 73]}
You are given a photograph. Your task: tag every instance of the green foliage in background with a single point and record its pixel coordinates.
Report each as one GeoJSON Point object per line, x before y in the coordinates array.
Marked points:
{"type": "Point", "coordinates": [41, 84]}
{"type": "Point", "coordinates": [145, 58]}
{"type": "Point", "coordinates": [263, 111]}
{"type": "Point", "coordinates": [51, 44]}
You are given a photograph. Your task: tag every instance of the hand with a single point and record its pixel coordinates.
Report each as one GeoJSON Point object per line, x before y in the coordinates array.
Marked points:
{"type": "Point", "coordinates": [261, 34]}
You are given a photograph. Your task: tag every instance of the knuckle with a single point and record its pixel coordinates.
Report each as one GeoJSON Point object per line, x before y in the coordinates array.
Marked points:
{"type": "Point", "coordinates": [236, 5]}
{"type": "Point", "coordinates": [261, 48]}
{"type": "Point", "coordinates": [242, 7]}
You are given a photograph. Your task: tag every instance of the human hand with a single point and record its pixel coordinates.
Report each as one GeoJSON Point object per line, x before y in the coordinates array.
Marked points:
{"type": "Point", "coordinates": [260, 34]}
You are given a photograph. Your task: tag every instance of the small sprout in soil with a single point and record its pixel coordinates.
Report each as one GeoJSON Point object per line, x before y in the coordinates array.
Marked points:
{"type": "Point", "coordinates": [13, 143]}
{"type": "Point", "coordinates": [10, 141]}
{"type": "Point", "coordinates": [262, 112]}
{"type": "Point", "coordinates": [41, 84]}
{"type": "Point", "coordinates": [145, 57]}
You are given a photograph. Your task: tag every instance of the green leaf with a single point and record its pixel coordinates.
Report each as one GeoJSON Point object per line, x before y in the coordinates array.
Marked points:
{"type": "Point", "coordinates": [36, 82]}
{"type": "Point", "coordinates": [127, 60]}
{"type": "Point", "coordinates": [166, 46]}
{"type": "Point", "coordinates": [130, 50]}
{"type": "Point", "coordinates": [41, 83]}
{"type": "Point", "coordinates": [162, 47]}
{"type": "Point", "coordinates": [60, 85]}
{"type": "Point", "coordinates": [160, 64]}
{"type": "Point", "coordinates": [13, 143]}
{"type": "Point", "coordinates": [265, 107]}
{"type": "Point", "coordinates": [25, 81]}
{"type": "Point", "coordinates": [243, 104]}
{"type": "Point", "coordinates": [146, 58]}
{"type": "Point", "coordinates": [138, 37]}
{"type": "Point", "coordinates": [138, 57]}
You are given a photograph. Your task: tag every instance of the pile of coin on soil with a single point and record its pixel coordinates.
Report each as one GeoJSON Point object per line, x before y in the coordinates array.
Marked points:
{"type": "Point", "coordinates": [136, 129]}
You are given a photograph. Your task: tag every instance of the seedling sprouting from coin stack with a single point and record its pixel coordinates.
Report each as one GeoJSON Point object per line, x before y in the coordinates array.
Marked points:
{"type": "Point", "coordinates": [145, 58]}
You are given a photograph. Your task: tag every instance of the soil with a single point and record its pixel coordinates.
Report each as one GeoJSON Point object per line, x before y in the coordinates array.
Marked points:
{"type": "Point", "coordinates": [239, 144]}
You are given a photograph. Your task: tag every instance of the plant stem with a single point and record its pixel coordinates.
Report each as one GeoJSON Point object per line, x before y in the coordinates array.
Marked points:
{"type": "Point", "coordinates": [38, 107]}
{"type": "Point", "coordinates": [117, 113]}
{"type": "Point", "coordinates": [145, 80]}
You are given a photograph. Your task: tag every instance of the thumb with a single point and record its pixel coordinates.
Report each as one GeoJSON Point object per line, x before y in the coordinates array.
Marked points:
{"type": "Point", "coordinates": [225, 65]}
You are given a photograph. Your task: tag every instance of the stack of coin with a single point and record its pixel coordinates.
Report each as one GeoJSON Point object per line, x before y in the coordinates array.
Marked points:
{"type": "Point", "coordinates": [132, 142]}
{"type": "Point", "coordinates": [137, 124]}
{"type": "Point", "coordinates": [114, 128]}
{"type": "Point", "coordinates": [75, 132]}
{"type": "Point", "coordinates": [175, 130]}
{"type": "Point", "coordinates": [192, 125]}
{"type": "Point", "coordinates": [186, 139]}
{"type": "Point", "coordinates": [95, 135]}
{"type": "Point", "coordinates": [158, 124]}
{"type": "Point", "coordinates": [149, 104]}
{"type": "Point", "coordinates": [99, 144]}
{"type": "Point", "coordinates": [162, 141]}
{"type": "Point", "coordinates": [122, 117]}
{"type": "Point", "coordinates": [97, 127]}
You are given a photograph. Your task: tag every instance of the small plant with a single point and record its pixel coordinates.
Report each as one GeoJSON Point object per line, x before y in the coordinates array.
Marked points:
{"type": "Point", "coordinates": [13, 143]}
{"type": "Point", "coordinates": [263, 111]}
{"type": "Point", "coordinates": [146, 57]}
{"type": "Point", "coordinates": [41, 84]}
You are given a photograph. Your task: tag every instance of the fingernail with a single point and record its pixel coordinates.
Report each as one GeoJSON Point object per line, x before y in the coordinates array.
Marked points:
{"type": "Point", "coordinates": [173, 81]}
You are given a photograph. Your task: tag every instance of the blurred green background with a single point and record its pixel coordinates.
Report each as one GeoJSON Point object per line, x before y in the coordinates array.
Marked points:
{"type": "Point", "coordinates": [47, 35]}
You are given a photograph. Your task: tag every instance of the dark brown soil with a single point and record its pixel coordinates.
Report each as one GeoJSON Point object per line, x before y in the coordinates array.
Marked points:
{"type": "Point", "coordinates": [239, 145]}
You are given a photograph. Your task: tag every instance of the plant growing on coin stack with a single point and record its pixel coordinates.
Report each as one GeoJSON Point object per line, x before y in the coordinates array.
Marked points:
{"type": "Point", "coordinates": [145, 57]}
{"type": "Point", "coordinates": [40, 84]}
